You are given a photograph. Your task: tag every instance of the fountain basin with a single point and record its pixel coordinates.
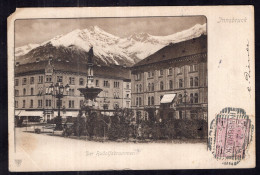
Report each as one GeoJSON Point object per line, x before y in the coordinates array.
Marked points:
{"type": "Point", "coordinates": [90, 93]}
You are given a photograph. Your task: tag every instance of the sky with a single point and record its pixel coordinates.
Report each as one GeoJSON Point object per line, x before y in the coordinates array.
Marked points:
{"type": "Point", "coordinates": [37, 31]}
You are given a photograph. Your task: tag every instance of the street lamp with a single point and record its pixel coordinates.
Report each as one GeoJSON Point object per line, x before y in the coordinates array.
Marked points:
{"type": "Point", "coordinates": [58, 92]}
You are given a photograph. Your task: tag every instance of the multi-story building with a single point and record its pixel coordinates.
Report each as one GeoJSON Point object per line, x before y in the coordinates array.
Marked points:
{"type": "Point", "coordinates": [32, 82]}
{"type": "Point", "coordinates": [172, 82]}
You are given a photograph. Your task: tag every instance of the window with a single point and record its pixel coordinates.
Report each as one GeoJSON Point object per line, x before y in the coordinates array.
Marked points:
{"type": "Point", "coordinates": [180, 98]}
{"type": "Point", "coordinates": [149, 101]}
{"type": "Point", "coordinates": [152, 100]}
{"type": "Point", "coordinates": [191, 98]}
{"type": "Point", "coordinates": [16, 92]}
{"type": "Point", "coordinates": [128, 104]}
{"type": "Point", "coordinates": [48, 78]}
{"type": "Point", "coordinates": [106, 83]}
{"type": "Point", "coordinates": [152, 87]}
{"type": "Point", "coordinates": [127, 86]}
{"type": "Point", "coordinates": [16, 104]}
{"type": "Point", "coordinates": [97, 83]}
{"type": "Point", "coordinates": [24, 81]}
{"type": "Point", "coordinates": [71, 92]}
{"type": "Point", "coordinates": [116, 95]}
{"type": "Point", "coordinates": [149, 87]}
{"type": "Point", "coordinates": [191, 82]}
{"type": "Point", "coordinates": [180, 70]}
{"type": "Point", "coordinates": [127, 95]}
{"type": "Point", "coordinates": [140, 101]}
{"type": "Point", "coordinates": [138, 76]}
{"type": "Point", "coordinates": [180, 83]}
{"type": "Point", "coordinates": [136, 101]}
{"type": "Point", "coordinates": [71, 80]}
{"type": "Point", "coordinates": [23, 103]}
{"type": "Point", "coordinates": [116, 105]}
{"type": "Point", "coordinates": [151, 74]}
{"type": "Point", "coordinates": [59, 103]}
{"type": "Point", "coordinates": [81, 102]}
{"type": "Point", "coordinates": [161, 85]}
{"type": "Point", "coordinates": [48, 103]}
{"type": "Point", "coordinates": [40, 79]}
{"type": "Point", "coordinates": [193, 68]}
{"type": "Point", "coordinates": [81, 81]}
{"type": "Point", "coordinates": [140, 88]}
{"type": "Point", "coordinates": [180, 115]}
{"type": "Point", "coordinates": [196, 81]}
{"type": "Point", "coordinates": [39, 103]}
{"type": "Point", "coordinates": [137, 87]}
{"type": "Point", "coordinates": [71, 103]}
{"type": "Point", "coordinates": [170, 71]}
{"type": "Point", "coordinates": [59, 78]}
{"type": "Point", "coordinates": [161, 72]}
{"type": "Point", "coordinates": [31, 91]}
{"type": "Point", "coordinates": [31, 104]}
{"type": "Point", "coordinates": [116, 84]}
{"type": "Point", "coordinates": [16, 82]}
{"type": "Point", "coordinates": [170, 84]}
{"type": "Point", "coordinates": [24, 91]}
{"type": "Point", "coordinates": [196, 98]}
{"type": "Point", "coordinates": [31, 80]}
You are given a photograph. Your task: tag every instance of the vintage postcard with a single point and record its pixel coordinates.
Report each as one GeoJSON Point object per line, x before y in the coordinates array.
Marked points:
{"type": "Point", "coordinates": [137, 88]}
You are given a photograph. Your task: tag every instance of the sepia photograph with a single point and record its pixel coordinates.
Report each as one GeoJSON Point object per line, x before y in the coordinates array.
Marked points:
{"type": "Point", "coordinates": [119, 79]}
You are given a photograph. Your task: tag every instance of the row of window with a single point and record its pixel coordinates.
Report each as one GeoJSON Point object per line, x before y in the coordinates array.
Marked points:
{"type": "Point", "coordinates": [106, 83]}
{"type": "Point", "coordinates": [71, 92]}
{"type": "Point", "coordinates": [193, 98]}
{"type": "Point", "coordinates": [194, 82]}
{"type": "Point", "coordinates": [48, 103]}
{"type": "Point", "coordinates": [180, 70]}
{"type": "Point", "coordinates": [60, 79]}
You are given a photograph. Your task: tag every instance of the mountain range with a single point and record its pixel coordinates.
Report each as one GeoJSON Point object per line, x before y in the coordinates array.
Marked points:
{"type": "Point", "coordinates": [108, 49]}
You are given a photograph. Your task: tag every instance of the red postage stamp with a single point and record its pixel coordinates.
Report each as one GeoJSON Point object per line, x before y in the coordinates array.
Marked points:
{"type": "Point", "coordinates": [230, 134]}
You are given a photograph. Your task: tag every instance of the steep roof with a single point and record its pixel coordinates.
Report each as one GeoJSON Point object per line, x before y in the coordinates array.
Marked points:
{"type": "Point", "coordinates": [30, 67]}
{"type": "Point", "coordinates": [177, 50]}
{"type": "Point", "coordinates": [99, 70]}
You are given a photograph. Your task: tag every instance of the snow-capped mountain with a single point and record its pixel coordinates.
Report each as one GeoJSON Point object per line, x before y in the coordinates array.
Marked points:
{"type": "Point", "coordinates": [25, 49]}
{"type": "Point", "coordinates": [108, 49]}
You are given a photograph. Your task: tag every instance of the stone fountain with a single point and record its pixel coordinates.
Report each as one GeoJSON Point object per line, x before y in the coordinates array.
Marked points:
{"type": "Point", "coordinates": [90, 92]}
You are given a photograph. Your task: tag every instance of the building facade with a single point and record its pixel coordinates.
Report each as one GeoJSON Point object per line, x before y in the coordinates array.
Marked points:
{"type": "Point", "coordinates": [172, 82]}
{"type": "Point", "coordinates": [32, 82]}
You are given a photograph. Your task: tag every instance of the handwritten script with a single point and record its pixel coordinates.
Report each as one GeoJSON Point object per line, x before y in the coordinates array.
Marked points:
{"type": "Point", "coordinates": [247, 74]}
{"type": "Point", "coordinates": [232, 20]}
{"type": "Point", "coordinates": [113, 153]}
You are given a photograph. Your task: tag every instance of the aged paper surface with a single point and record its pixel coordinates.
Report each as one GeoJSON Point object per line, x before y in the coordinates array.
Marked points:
{"type": "Point", "coordinates": [221, 54]}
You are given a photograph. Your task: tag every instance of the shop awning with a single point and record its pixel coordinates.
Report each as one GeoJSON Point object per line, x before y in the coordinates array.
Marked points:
{"type": "Point", "coordinates": [168, 98]}
{"type": "Point", "coordinates": [28, 113]}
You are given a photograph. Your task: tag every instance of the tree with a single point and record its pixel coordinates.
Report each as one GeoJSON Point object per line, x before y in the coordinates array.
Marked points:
{"type": "Point", "coordinates": [79, 125]}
